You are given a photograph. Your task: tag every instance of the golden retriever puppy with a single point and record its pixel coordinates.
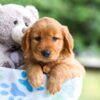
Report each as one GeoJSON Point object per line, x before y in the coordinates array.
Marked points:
{"type": "Point", "coordinates": [48, 48]}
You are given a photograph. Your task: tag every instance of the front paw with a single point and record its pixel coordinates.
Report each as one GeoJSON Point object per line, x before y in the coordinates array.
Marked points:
{"type": "Point", "coordinates": [53, 86]}
{"type": "Point", "coordinates": [36, 79]}
{"type": "Point", "coordinates": [46, 69]}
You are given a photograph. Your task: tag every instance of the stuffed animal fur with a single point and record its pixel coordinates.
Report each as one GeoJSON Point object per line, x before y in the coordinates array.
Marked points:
{"type": "Point", "coordinates": [14, 19]}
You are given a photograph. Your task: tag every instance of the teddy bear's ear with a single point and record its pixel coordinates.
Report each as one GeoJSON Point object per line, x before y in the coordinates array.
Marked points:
{"type": "Point", "coordinates": [33, 10]}
{"type": "Point", "coordinates": [1, 9]}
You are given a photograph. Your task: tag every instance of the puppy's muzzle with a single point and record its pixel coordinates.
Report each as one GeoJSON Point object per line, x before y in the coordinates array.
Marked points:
{"type": "Point", "coordinates": [45, 53]}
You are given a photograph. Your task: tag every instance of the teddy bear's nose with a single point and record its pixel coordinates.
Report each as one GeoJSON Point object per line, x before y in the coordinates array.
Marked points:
{"type": "Point", "coordinates": [46, 53]}
{"type": "Point", "coordinates": [23, 30]}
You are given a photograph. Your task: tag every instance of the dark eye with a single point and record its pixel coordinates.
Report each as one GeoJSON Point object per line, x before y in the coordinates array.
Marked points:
{"type": "Point", "coordinates": [15, 22]}
{"type": "Point", "coordinates": [38, 38]}
{"type": "Point", "coordinates": [54, 38]}
{"type": "Point", "coordinates": [26, 24]}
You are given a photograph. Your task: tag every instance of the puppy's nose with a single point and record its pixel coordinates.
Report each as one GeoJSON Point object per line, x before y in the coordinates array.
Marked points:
{"type": "Point", "coordinates": [46, 53]}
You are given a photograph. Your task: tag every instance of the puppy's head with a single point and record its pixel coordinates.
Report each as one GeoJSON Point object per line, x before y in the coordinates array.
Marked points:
{"type": "Point", "coordinates": [47, 40]}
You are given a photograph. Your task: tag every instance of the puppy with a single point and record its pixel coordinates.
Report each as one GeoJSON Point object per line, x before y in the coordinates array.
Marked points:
{"type": "Point", "coordinates": [48, 48]}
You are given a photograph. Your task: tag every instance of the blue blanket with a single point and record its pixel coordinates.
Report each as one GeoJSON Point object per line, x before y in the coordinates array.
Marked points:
{"type": "Point", "coordinates": [15, 86]}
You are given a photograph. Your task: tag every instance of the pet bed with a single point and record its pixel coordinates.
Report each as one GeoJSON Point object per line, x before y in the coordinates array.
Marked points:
{"type": "Point", "coordinates": [15, 86]}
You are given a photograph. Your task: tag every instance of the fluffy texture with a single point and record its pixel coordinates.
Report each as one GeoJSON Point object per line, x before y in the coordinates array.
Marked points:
{"type": "Point", "coordinates": [48, 47]}
{"type": "Point", "coordinates": [14, 19]}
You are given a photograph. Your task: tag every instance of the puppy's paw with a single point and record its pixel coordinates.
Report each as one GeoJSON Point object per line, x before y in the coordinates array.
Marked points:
{"type": "Point", "coordinates": [46, 69]}
{"type": "Point", "coordinates": [53, 86]}
{"type": "Point", "coordinates": [36, 79]}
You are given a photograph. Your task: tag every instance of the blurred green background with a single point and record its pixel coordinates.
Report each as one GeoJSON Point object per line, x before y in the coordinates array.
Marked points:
{"type": "Point", "coordinates": [83, 19]}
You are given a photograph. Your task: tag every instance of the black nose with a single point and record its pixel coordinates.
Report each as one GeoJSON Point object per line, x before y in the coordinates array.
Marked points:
{"type": "Point", "coordinates": [46, 53]}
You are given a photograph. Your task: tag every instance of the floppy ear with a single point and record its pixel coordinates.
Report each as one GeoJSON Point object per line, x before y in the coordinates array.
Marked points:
{"type": "Point", "coordinates": [68, 40]}
{"type": "Point", "coordinates": [26, 42]}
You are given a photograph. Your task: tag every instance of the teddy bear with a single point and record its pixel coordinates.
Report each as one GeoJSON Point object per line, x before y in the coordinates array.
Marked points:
{"type": "Point", "coordinates": [14, 19]}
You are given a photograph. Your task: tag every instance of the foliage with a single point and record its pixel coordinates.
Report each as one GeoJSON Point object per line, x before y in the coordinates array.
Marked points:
{"type": "Point", "coordinates": [81, 16]}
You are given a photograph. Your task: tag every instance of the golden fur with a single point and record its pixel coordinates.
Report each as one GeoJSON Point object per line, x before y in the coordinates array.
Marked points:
{"type": "Point", "coordinates": [48, 34]}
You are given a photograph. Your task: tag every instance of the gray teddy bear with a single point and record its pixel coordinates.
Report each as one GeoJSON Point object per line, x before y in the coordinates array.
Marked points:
{"type": "Point", "coordinates": [14, 19]}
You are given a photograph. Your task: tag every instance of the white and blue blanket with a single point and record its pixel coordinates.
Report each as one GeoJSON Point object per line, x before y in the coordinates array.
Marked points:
{"type": "Point", "coordinates": [15, 86]}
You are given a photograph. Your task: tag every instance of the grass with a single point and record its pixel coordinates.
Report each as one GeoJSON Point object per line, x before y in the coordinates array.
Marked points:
{"type": "Point", "coordinates": [91, 85]}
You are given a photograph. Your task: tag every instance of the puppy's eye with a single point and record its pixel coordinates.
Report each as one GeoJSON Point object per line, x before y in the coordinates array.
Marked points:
{"type": "Point", "coordinates": [55, 38]}
{"type": "Point", "coordinates": [38, 38]}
